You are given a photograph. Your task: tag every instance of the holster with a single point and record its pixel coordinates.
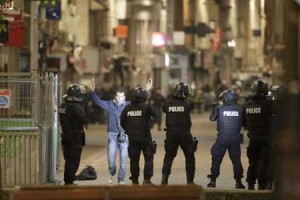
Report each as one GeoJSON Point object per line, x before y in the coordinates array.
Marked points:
{"type": "Point", "coordinates": [154, 147]}
{"type": "Point", "coordinates": [241, 138]}
{"type": "Point", "coordinates": [79, 136]}
{"type": "Point", "coordinates": [195, 144]}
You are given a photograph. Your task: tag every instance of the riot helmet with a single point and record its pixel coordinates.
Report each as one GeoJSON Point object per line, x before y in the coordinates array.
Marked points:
{"type": "Point", "coordinates": [181, 90]}
{"type": "Point", "coordinates": [260, 88]}
{"type": "Point", "coordinates": [140, 94]}
{"type": "Point", "coordinates": [75, 92]}
{"type": "Point", "coordinates": [228, 96]}
{"type": "Point", "coordinates": [277, 91]}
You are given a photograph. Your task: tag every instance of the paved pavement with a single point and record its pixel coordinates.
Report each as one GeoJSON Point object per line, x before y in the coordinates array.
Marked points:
{"type": "Point", "coordinates": [94, 154]}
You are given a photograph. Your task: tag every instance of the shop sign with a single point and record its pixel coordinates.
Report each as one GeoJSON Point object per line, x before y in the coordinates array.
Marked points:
{"type": "Point", "coordinates": [6, 4]}
{"type": "Point", "coordinates": [4, 98]}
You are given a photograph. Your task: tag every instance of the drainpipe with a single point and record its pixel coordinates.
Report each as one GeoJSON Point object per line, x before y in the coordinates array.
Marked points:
{"type": "Point", "coordinates": [34, 15]}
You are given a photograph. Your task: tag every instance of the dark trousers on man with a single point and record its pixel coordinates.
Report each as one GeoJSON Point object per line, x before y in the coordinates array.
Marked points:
{"type": "Point", "coordinates": [259, 154]}
{"type": "Point", "coordinates": [172, 142]}
{"type": "Point", "coordinates": [218, 150]}
{"type": "Point", "coordinates": [72, 156]}
{"type": "Point", "coordinates": [136, 146]}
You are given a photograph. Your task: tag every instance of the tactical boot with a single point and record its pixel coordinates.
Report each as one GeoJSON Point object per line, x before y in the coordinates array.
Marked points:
{"type": "Point", "coordinates": [147, 182]}
{"type": "Point", "coordinates": [164, 179]}
{"type": "Point", "coordinates": [135, 182]}
{"type": "Point", "coordinates": [190, 181]}
{"type": "Point", "coordinates": [212, 183]}
{"type": "Point", "coordinates": [269, 186]}
{"type": "Point", "coordinates": [239, 185]}
{"type": "Point", "coordinates": [250, 186]}
{"type": "Point", "coordinates": [262, 187]}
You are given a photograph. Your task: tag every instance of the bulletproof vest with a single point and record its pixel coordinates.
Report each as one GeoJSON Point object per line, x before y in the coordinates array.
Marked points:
{"type": "Point", "coordinates": [230, 119]}
{"type": "Point", "coordinates": [178, 114]}
{"type": "Point", "coordinates": [65, 122]}
{"type": "Point", "coordinates": [258, 115]}
{"type": "Point", "coordinates": [138, 119]}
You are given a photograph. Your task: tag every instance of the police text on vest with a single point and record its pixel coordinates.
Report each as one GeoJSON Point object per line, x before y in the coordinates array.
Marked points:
{"type": "Point", "coordinates": [231, 113]}
{"type": "Point", "coordinates": [253, 110]}
{"type": "Point", "coordinates": [134, 113]}
{"type": "Point", "coordinates": [176, 109]}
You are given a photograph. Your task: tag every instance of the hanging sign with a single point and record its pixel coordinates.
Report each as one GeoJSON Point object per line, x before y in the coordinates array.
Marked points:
{"type": "Point", "coordinates": [16, 31]}
{"type": "Point", "coordinates": [4, 98]}
{"type": "Point", "coordinates": [6, 4]}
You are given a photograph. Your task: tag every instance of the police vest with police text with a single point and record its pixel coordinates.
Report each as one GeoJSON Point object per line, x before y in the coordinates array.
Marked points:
{"type": "Point", "coordinates": [178, 114]}
{"type": "Point", "coordinates": [72, 119]}
{"type": "Point", "coordinates": [258, 115]}
{"type": "Point", "coordinates": [230, 119]}
{"type": "Point", "coordinates": [137, 119]}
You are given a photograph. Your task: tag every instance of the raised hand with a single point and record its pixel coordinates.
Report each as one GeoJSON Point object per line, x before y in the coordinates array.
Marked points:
{"type": "Point", "coordinates": [93, 85]}
{"type": "Point", "coordinates": [149, 84]}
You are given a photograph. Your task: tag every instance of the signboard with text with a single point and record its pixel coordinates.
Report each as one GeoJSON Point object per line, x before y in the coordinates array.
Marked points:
{"type": "Point", "coordinates": [4, 98]}
{"type": "Point", "coordinates": [6, 4]}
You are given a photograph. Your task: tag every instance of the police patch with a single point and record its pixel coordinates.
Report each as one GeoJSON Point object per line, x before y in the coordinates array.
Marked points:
{"type": "Point", "coordinates": [256, 110]}
{"type": "Point", "coordinates": [135, 113]}
{"type": "Point", "coordinates": [231, 113]}
{"type": "Point", "coordinates": [176, 109]}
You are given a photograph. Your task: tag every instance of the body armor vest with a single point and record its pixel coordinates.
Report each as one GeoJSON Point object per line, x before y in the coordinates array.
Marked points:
{"type": "Point", "coordinates": [230, 119]}
{"type": "Point", "coordinates": [178, 114]}
{"type": "Point", "coordinates": [138, 119]}
{"type": "Point", "coordinates": [258, 115]}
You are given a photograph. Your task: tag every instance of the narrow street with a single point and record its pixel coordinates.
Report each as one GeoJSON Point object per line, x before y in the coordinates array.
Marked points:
{"type": "Point", "coordinates": [94, 154]}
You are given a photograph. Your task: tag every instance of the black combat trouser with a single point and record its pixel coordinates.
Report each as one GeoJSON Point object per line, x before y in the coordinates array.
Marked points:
{"type": "Point", "coordinates": [72, 156]}
{"type": "Point", "coordinates": [136, 146]}
{"type": "Point", "coordinates": [218, 150]}
{"type": "Point", "coordinates": [185, 141]}
{"type": "Point", "coordinates": [259, 156]}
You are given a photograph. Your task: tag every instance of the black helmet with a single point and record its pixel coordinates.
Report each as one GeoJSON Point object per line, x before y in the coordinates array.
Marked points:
{"type": "Point", "coordinates": [260, 88]}
{"type": "Point", "coordinates": [74, 93]}
{"type": "Point", "coordinates": [277, 91]}
{"type": "Point", "coordinates": [140, 93]}
{"type": "Point", "coordinates": [229, 96]}
{"type": "Point", "coordinates": [181, 90]}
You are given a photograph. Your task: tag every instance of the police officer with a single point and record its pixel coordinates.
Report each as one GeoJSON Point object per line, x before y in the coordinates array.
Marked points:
{"type": "Point", "coordinates": [229, 123]}
{"type": "Point", "coordinates": [136, 119]}
{"type": "Point", "coordinates": [257, 118]}
{"type": "Point", "coordinates": [178, 125]}
{"type": "Point", "coordinates": [72, 119]}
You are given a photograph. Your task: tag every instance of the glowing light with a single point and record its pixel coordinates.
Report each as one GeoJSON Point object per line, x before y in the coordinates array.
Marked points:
{"type": "Point", "coordinates": [231, 43]}
{"type": "Point", "coordinates": [158, 39]}
{"type": "Point", "coordinates": [167, 59]}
